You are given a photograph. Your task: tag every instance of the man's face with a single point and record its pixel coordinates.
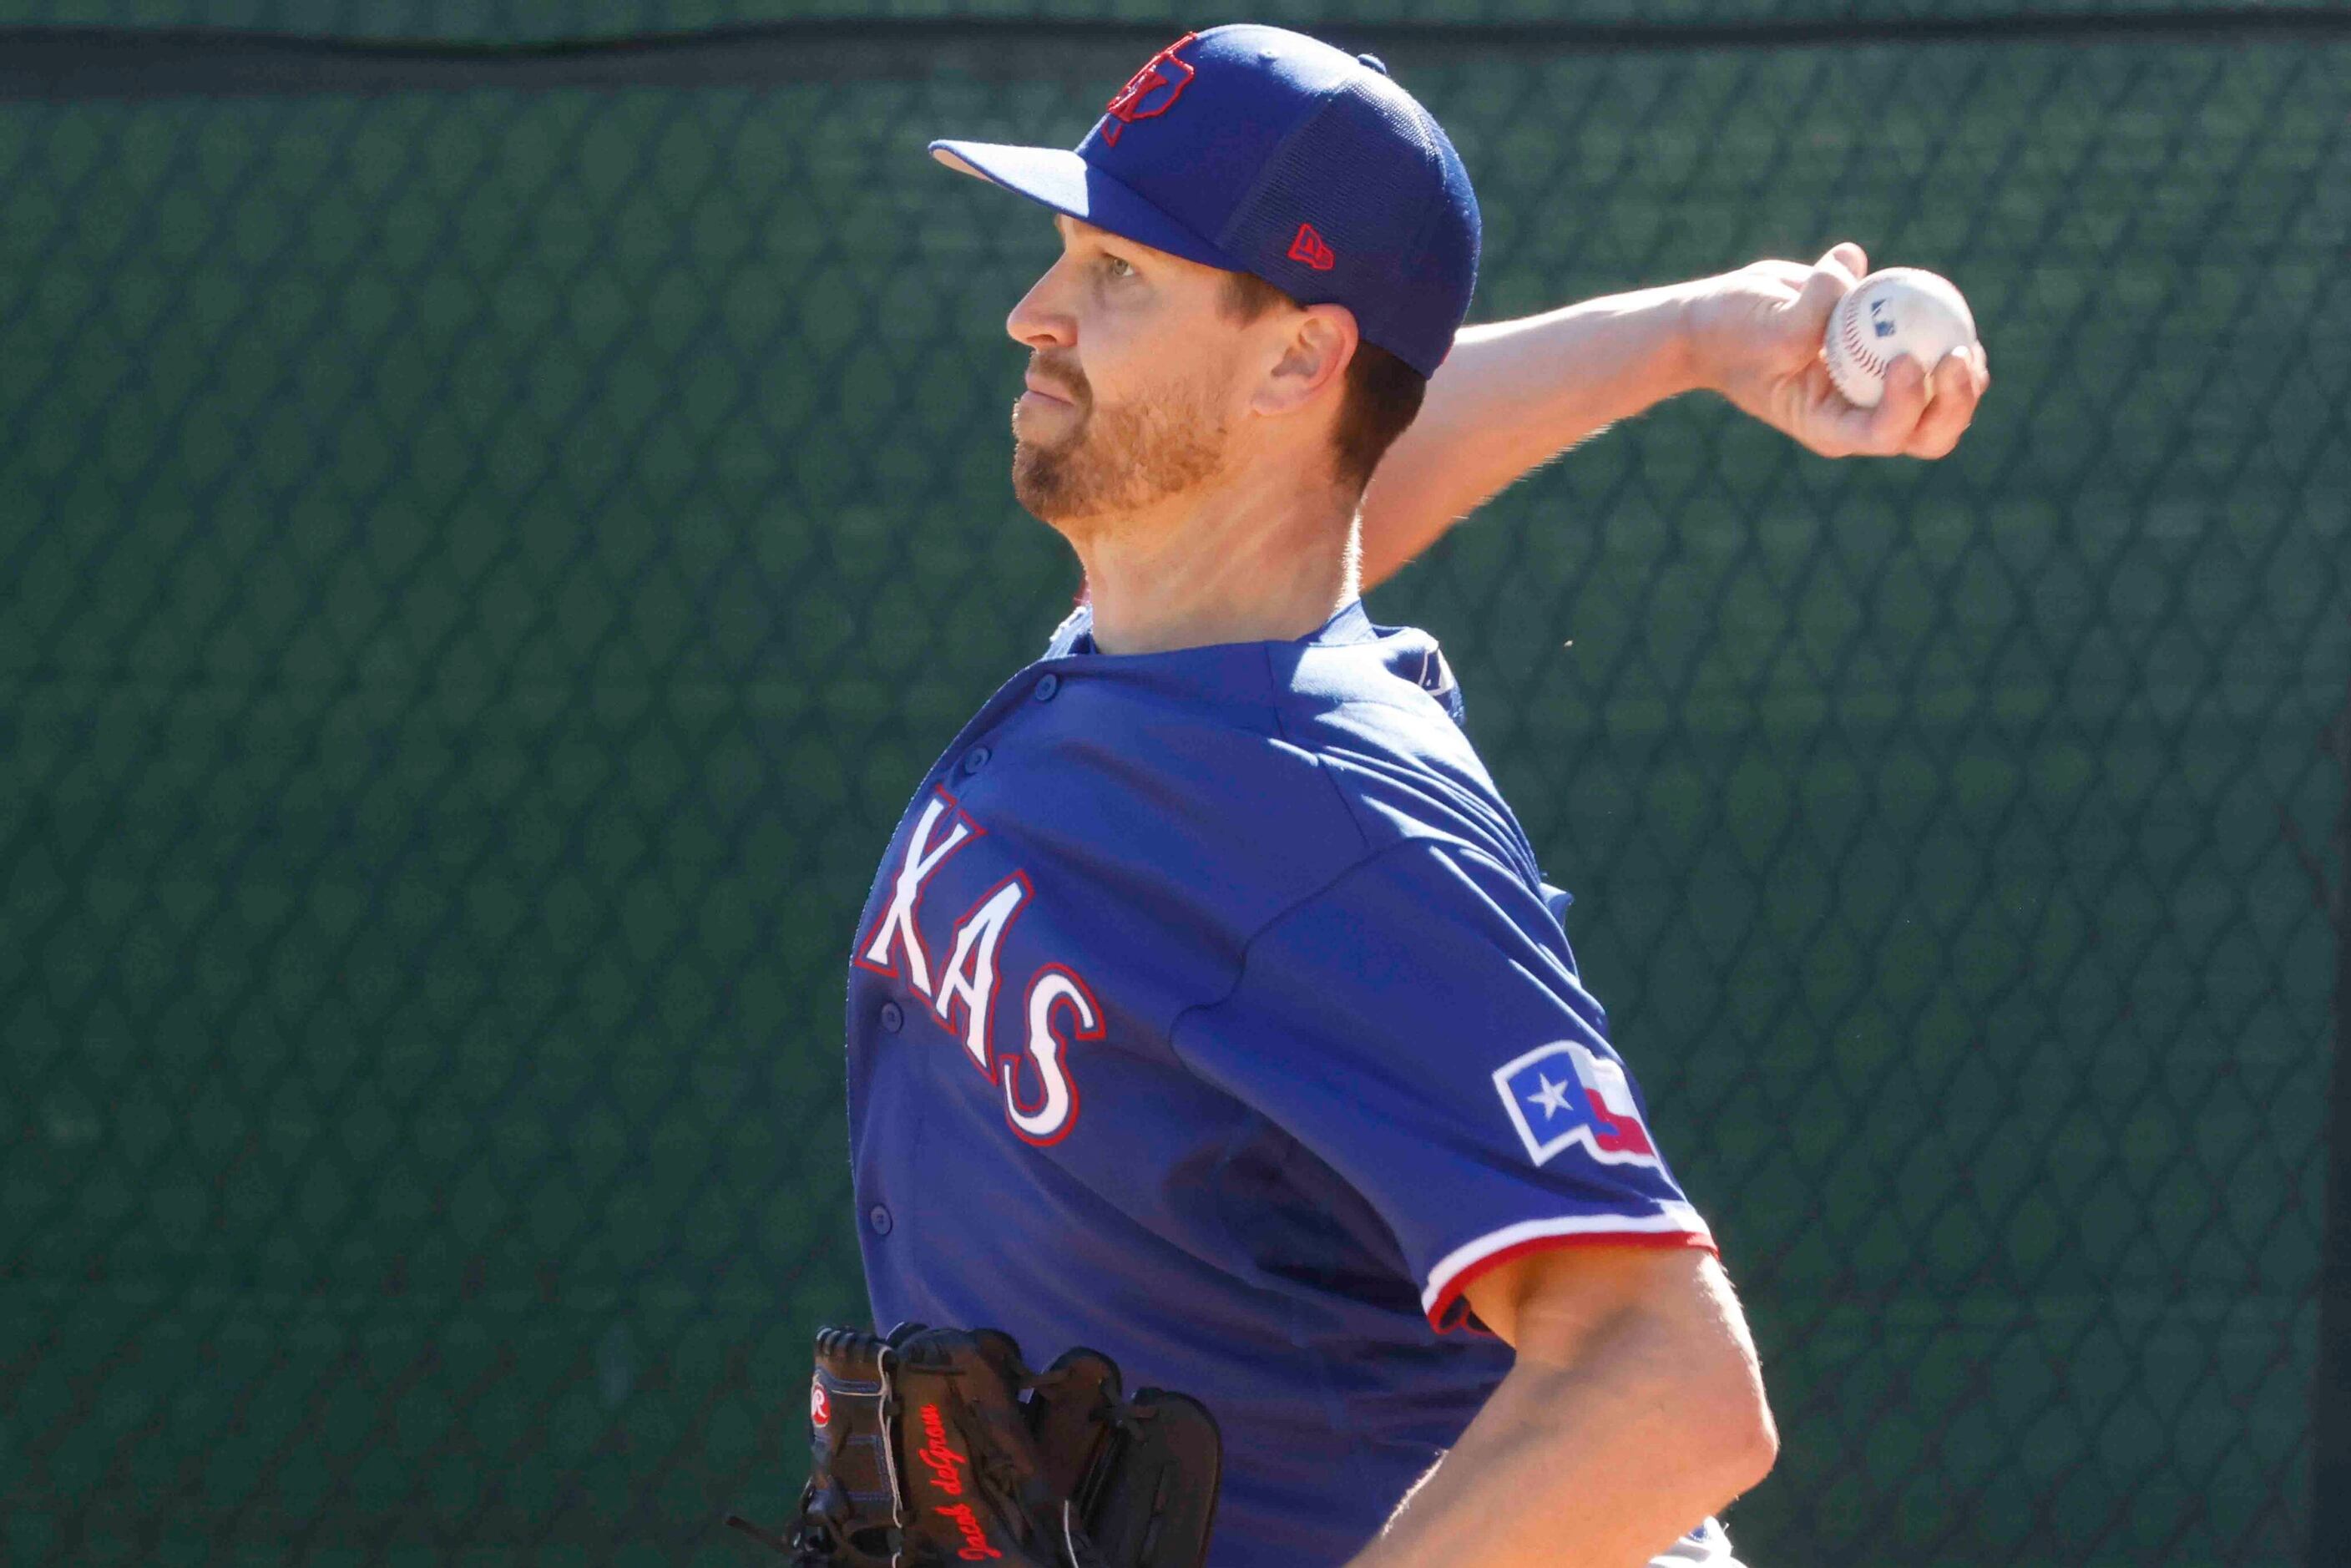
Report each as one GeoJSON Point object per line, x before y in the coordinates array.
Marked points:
{"type": "Point", "coordinates": [1130, 379]}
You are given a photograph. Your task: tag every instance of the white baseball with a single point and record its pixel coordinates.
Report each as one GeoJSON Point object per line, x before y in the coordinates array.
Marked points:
{"type": "Point", "coordinates": [1901, 310]}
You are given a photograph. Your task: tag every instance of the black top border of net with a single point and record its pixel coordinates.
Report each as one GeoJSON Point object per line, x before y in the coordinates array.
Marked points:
{"type": "Point", "coordinates": [71, 63]}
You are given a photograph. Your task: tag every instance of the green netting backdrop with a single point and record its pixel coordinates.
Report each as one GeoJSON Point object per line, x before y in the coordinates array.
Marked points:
{"type": "Point", "coordinates": [480, 572]}
{"type": "Point", "coordinates": [496, 21]}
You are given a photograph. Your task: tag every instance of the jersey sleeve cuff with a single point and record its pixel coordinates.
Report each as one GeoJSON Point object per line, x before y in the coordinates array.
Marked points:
{"type": "Point", "coordinates": [1673, 1225]}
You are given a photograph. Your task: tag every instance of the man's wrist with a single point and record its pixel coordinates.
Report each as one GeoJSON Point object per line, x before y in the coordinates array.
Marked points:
{"type": "Point", "coordinates": [1703, 365]}
{"type": "Point", "coordinates": [1669, 350]}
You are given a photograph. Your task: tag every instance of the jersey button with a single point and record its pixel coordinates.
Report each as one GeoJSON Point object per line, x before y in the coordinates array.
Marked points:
{"type": "Point", "coordinates": [879, 1218]}
{"type": "Point", "coordinates": [893, 1017]}
{"type": "Point", "coordinates": [973, 760]}
{"type": "Point", "coordinates": [1047, 686]}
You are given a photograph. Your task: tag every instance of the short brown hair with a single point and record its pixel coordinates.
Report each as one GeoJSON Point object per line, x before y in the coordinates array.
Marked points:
{"type": "Point", "coordinates": [1383, 395]}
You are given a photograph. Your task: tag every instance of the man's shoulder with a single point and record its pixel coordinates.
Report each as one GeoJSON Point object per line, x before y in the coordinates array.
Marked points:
{"type": "Point", "coordinates": [1276, 766]}
{"type": "Point", "coordinates": [1384, 724]}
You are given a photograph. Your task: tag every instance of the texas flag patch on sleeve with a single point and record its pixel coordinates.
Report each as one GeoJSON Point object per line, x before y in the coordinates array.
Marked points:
{"type": "Point", "coordinates": [1564, 1095]}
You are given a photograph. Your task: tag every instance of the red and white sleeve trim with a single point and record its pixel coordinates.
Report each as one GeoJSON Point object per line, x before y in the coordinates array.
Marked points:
{"type": "Point", "coordinates": [1673, 1225]}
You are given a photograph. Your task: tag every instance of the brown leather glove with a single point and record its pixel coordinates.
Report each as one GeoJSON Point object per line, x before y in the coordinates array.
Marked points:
{"type": "Point", "coordinates": [925, 1453]}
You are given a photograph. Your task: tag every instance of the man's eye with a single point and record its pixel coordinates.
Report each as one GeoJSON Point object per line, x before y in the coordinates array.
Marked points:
{"type": "Point", "coordinates": [1118, 267]}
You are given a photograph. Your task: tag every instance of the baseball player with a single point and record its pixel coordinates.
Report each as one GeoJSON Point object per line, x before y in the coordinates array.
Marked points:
{"type": "Point", "coordinates": [1209, 1008]}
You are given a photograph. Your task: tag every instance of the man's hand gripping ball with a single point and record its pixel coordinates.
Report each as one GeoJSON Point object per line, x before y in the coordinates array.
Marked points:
{"type": "Point", "coordinates": [1757, 335]}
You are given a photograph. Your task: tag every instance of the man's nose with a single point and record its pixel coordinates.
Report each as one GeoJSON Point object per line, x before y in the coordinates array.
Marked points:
{"type": "Point", "coordinates": [1041, 318]}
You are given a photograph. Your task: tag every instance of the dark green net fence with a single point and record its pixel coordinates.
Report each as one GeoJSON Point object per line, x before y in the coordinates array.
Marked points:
{"type": "Point", "coordinates": [482, 565]}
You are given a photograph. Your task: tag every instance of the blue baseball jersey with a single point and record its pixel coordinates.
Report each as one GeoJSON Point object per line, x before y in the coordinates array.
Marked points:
{"type": "Point", "coordinates": [1210, 1009]}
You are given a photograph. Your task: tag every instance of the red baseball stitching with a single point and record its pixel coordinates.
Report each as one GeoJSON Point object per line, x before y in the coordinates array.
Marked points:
{"type": "Point", "coordinates": [1855, 348]}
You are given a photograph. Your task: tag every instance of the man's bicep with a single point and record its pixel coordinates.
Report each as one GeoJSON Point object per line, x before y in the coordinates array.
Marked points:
{"type": "Point", "coordinates": [1550, 1305]}
{"type": "Point", "coordinates": [1635, 1397]}
{"type": "Point", "coordinates": [1572, 1308]}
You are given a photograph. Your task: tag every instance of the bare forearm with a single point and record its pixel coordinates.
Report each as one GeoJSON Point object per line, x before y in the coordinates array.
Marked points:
{"type": "Point", "coordinates": [1511, 1494]}
{"type": "Point", "coordinates": [1514, 394]}
{"type": "Point", "coordinates": [1603, 1463]}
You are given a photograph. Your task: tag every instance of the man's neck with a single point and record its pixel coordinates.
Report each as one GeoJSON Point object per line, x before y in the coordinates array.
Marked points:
{"type": "Point", "coordinates": [1236, 565]}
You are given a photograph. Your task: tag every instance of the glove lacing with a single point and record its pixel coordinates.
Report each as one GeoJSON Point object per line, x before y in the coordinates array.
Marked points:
{"type": "Point", "coordinates": [811, 1539]}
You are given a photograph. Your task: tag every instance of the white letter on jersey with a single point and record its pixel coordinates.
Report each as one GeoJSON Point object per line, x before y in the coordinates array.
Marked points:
{"type": "Point", "coordinates": [1049, 1120]}
{"type": "Point", "coordinates": [897, 921]}
{"type": "Point", "coordinates": [970, 977]}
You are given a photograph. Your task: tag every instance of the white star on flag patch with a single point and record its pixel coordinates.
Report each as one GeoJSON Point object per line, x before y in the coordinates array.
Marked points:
{"type": "Point", "coordinates": [1562, 1094]}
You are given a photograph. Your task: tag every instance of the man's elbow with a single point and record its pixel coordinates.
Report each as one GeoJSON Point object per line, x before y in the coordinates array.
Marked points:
{"type": "Point", "coordinates": [1649, 1345]}
{"type": "Point", "coordinates": [1757, 1449]}
{"type": "Point", "coordinates": [1727, 1418]}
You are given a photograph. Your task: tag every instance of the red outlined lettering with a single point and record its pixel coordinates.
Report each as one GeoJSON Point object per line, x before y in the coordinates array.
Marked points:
{"type": "Point", "coordinates": [1048, 1121]}
{"type": "Point", "coordinates": [895, 926]}
{"type": "Point", "coordinates": [969, 979]}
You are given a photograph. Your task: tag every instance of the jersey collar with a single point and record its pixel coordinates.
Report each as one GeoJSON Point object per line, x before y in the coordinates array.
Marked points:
{"type": "Point", "coordinates": [1312, 663]}
{"type": "Point", "coordinates": [1351, 623]}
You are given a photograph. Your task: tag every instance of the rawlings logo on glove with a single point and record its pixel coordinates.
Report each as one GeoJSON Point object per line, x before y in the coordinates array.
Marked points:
{"type": "Point", "coordinates": [925, 1451]}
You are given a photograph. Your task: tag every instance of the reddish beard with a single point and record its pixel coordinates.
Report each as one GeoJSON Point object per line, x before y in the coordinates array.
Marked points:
{"type": "Point", "coordinates": [1110, 460]}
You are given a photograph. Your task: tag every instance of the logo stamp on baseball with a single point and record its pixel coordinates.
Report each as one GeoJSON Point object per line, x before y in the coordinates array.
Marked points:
{"type": "Point", "coordinates": [1900, 311]}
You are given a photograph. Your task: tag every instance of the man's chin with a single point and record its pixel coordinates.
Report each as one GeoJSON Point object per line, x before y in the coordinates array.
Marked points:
{"type": "Point", "coordinates": [1040, 480]}
{"type": "Point", "coordinates": [1052, 504]}
{"type": "Point", "coordinates": [1049, 506]}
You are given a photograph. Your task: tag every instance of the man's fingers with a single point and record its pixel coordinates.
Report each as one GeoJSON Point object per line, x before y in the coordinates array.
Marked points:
{"type": "Point", "coordinates": [1832, 276]}
{"type": "Point", "coordinates": [1919, 413]}
{"type": "Point", "coordinates": [1895, 420]}
{"type": "Point", "coordinates": [1954, 404]}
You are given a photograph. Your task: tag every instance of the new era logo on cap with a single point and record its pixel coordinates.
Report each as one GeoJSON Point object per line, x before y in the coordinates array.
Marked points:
{"type": "Point", "coordinates": [1309, 248]}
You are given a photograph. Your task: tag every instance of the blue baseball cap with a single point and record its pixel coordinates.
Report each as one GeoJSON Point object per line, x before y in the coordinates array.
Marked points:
{"type": "Point", "coordinates": [1258, 149]}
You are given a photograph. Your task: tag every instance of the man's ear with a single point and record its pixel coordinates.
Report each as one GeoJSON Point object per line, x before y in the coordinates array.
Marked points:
{"type": "Point", "coordinates": [1315, 354]}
